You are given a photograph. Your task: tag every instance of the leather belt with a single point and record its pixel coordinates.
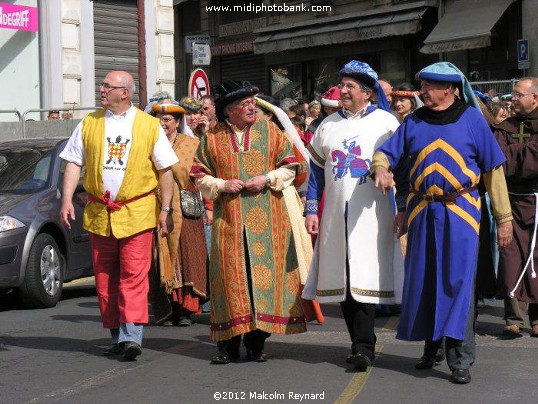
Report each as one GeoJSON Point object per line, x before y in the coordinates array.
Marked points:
{"type": "Point", "coordinates": [443, 198]}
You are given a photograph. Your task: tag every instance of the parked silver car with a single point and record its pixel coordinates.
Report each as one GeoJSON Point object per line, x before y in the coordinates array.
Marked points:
{"type": "Point", "coordinates": [37, 254]}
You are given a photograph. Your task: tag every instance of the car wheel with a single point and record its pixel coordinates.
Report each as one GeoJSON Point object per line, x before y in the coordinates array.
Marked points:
{"type": "Point", "coordinates": [43, 280]}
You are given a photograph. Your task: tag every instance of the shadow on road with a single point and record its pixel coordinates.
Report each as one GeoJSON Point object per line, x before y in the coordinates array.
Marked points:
{"type": "Point", "coordinates": [77, 318]}
{"type": "Point", "coordinates": [10, 301]}
{"type": "Point", "coordinates": [74, 292]}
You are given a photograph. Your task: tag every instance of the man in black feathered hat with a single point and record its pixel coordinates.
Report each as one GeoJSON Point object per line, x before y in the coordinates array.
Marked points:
{"type": "Point", "coordinates": [254, 282]}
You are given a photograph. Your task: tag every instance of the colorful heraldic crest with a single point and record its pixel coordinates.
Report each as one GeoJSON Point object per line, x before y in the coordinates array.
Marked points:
{"type": "Point", "coordinates": [357, 218]}
{"type": "Point", "coordinates": [116, 151]}
{"type": "Point", "coordinates": [350, 162]}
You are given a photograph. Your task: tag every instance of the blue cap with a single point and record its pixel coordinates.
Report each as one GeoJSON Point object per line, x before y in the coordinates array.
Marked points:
{"type": "Point", "coordinates": [446, 72]}
{"type": "Point", "coordinates": [362, 72]}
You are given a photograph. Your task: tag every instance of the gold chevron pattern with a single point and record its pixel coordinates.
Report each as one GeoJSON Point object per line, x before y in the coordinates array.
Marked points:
{"type": "Point", "coordinates": [453, 153]}
{"type": "Point", "coordinates": [435, 190]}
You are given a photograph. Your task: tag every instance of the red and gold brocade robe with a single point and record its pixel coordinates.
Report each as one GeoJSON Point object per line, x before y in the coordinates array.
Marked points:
{"type": "Point", "coordinates": [251, 236]}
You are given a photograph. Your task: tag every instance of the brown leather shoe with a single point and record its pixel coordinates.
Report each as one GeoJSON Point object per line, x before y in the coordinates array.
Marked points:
{"type": "Point", "coordinates": [534, 332]}
{"type": "Point", "coordinates": [512, 331]}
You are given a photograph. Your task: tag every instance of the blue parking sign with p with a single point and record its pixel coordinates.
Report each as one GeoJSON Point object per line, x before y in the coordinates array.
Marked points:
{"type": "Point", "coordinates": [523, 49]}
{"type": "Point", "coordinates": [523, 53]}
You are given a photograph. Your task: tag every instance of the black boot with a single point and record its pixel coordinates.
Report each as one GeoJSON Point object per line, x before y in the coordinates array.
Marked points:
{"type": "Point", "coordinates": [228, 351]}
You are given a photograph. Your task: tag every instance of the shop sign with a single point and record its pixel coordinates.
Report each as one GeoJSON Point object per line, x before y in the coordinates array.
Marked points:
{"type": "Point", "coordinates": [232, 48]}
{"type": "Point", "coordinates": [19, 18]}
{"type": "Point", "coordinates": [242, 27]}
{"type": "Point", "coordinates": [201, 54]}
{"type": "Point", "coordinates": [190, 39]}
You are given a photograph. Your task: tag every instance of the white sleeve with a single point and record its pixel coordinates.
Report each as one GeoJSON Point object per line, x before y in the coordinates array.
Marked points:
{"type": "Point", "coordinates": [74, 149]}
{"type": "Point", "coordinates": [163, 155]}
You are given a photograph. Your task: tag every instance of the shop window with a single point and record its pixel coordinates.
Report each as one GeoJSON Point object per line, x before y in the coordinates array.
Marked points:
{"type": "Point", "coordinates": [190, 17]}
{"type": "Point", "coordinates": [286, 81]}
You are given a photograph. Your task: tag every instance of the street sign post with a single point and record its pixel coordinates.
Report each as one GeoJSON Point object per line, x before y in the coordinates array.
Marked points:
{"type": "Point", "coordinates": [201, 54]}
{"type": "Point", "coordinates": [523, 54]}
{"type": "Point", "coordinates": [198, 84]}
{"type": "Point", "coordinates": [190, 39]}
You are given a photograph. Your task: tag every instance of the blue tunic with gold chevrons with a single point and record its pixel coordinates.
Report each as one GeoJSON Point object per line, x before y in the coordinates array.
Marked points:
{"type": "Point", "coordinates": [442, 247]}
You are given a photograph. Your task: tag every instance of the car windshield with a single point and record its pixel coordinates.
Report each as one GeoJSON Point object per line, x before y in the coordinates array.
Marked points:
{"type": "Point", "coordinates": [24, 170]}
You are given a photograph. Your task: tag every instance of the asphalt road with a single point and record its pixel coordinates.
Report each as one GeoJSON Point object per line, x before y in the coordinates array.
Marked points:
{"type": "Point", "coordinates": [55, 355]}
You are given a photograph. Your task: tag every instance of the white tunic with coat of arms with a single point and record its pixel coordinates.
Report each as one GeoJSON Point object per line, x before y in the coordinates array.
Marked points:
{"type": "Point", "coordinates": [357, 220]}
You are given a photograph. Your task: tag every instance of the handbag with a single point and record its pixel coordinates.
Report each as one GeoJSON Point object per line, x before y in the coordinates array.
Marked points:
{"type": "Point", "coordinates": [191, 204]}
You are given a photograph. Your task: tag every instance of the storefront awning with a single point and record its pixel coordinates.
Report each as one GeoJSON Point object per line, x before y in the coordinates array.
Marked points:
{"type": "Point", "coordinates": [466, 24]}
{"type": "Point", "coordinates": [331, 30]}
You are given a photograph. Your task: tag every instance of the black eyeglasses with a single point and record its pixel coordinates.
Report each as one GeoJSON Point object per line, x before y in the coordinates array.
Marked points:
{"type": "Point", "coordinates": [108, 87]}
{"type": "Point", "coordinates": [517, 96]}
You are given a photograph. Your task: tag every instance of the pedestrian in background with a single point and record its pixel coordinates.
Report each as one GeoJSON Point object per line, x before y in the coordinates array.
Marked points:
{"type": "Point", "coordinates": [208, 109]}
{"type": "Point", "coordinates": [518, 138]}
{"type": "Point", "coordinates": [54, 116]}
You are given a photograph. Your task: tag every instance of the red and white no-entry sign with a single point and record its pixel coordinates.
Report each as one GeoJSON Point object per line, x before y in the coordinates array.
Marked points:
{"type": "Point", "coordinates": [198, 84]}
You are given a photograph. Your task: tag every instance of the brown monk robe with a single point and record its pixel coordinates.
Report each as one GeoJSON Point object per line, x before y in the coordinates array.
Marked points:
{"type": "Point", "coordinates": [518, 138]}
{"type": "Point", "coordinates": [486, 278]}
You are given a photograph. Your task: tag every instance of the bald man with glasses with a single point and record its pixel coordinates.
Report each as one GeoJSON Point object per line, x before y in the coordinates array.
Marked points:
{"type": "Point", "coordinates": [518, 138]}
{"type": "Point", "coordinates": [126, 155]}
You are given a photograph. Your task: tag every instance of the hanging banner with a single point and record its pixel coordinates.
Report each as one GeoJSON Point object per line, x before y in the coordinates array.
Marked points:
{"type": "Point", "coordinates": [19, 18]}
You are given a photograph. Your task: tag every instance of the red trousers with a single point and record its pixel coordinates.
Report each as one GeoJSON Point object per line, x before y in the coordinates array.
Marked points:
{"type": "Point", "coordinates": [121, 269]}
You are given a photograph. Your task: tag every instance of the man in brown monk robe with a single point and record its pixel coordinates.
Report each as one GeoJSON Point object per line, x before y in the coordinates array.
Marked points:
{"type": "Point", "coordinates": [518, 138]}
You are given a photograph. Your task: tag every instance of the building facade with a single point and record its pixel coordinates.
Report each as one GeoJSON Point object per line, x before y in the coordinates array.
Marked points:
{"type": "Point", "coordinates": [296, 52]}
{"type": "Point", "coordinates": [62, 63]}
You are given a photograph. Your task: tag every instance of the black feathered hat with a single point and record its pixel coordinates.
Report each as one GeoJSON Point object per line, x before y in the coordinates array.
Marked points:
{"type": "Point", "coordinates": [230, 91]}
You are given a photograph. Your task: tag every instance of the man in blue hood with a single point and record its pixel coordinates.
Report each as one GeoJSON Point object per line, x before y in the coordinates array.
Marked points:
{"type": "Point", "coordinates": [448, 146]}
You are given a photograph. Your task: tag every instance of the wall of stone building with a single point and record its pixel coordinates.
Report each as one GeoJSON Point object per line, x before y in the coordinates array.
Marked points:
{"type": "Point", "coordinates": [72, 49]}
{"type": "Point", "coordinates": [164, 47]}
{"type": "Point", "coordinates": [37, 129]}
{"type": "Point", "coordinates": [530, 32]}
{"type": "Point", "coordinates": [68, 52]}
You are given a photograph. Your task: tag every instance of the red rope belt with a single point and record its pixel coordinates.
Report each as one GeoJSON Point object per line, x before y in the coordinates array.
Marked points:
{"type": "Point", "coordinates": [113, 205]}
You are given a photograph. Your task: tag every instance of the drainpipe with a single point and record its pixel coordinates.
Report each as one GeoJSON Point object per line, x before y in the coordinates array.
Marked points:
{"type": "Point", "coordinates": [440, 13]}
{"type": "Point", "coordinates": [142, 74]}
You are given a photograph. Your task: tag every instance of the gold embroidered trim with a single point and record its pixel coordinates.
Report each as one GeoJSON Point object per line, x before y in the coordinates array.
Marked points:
{"type": "Point", "coordinates": [330, 292]}
{"type": "Point", "coordinates": [373, 293]}
{"type": "Point", "coordinates": [316, 156]}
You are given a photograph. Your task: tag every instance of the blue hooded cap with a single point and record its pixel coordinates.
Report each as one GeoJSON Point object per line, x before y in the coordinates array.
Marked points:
{"type": "Point", "coordinates": [362, 72]}
{"type": "Point", "coordinates": [484, 97]}
{"type": "Point", "coordinates": [446, 72]}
